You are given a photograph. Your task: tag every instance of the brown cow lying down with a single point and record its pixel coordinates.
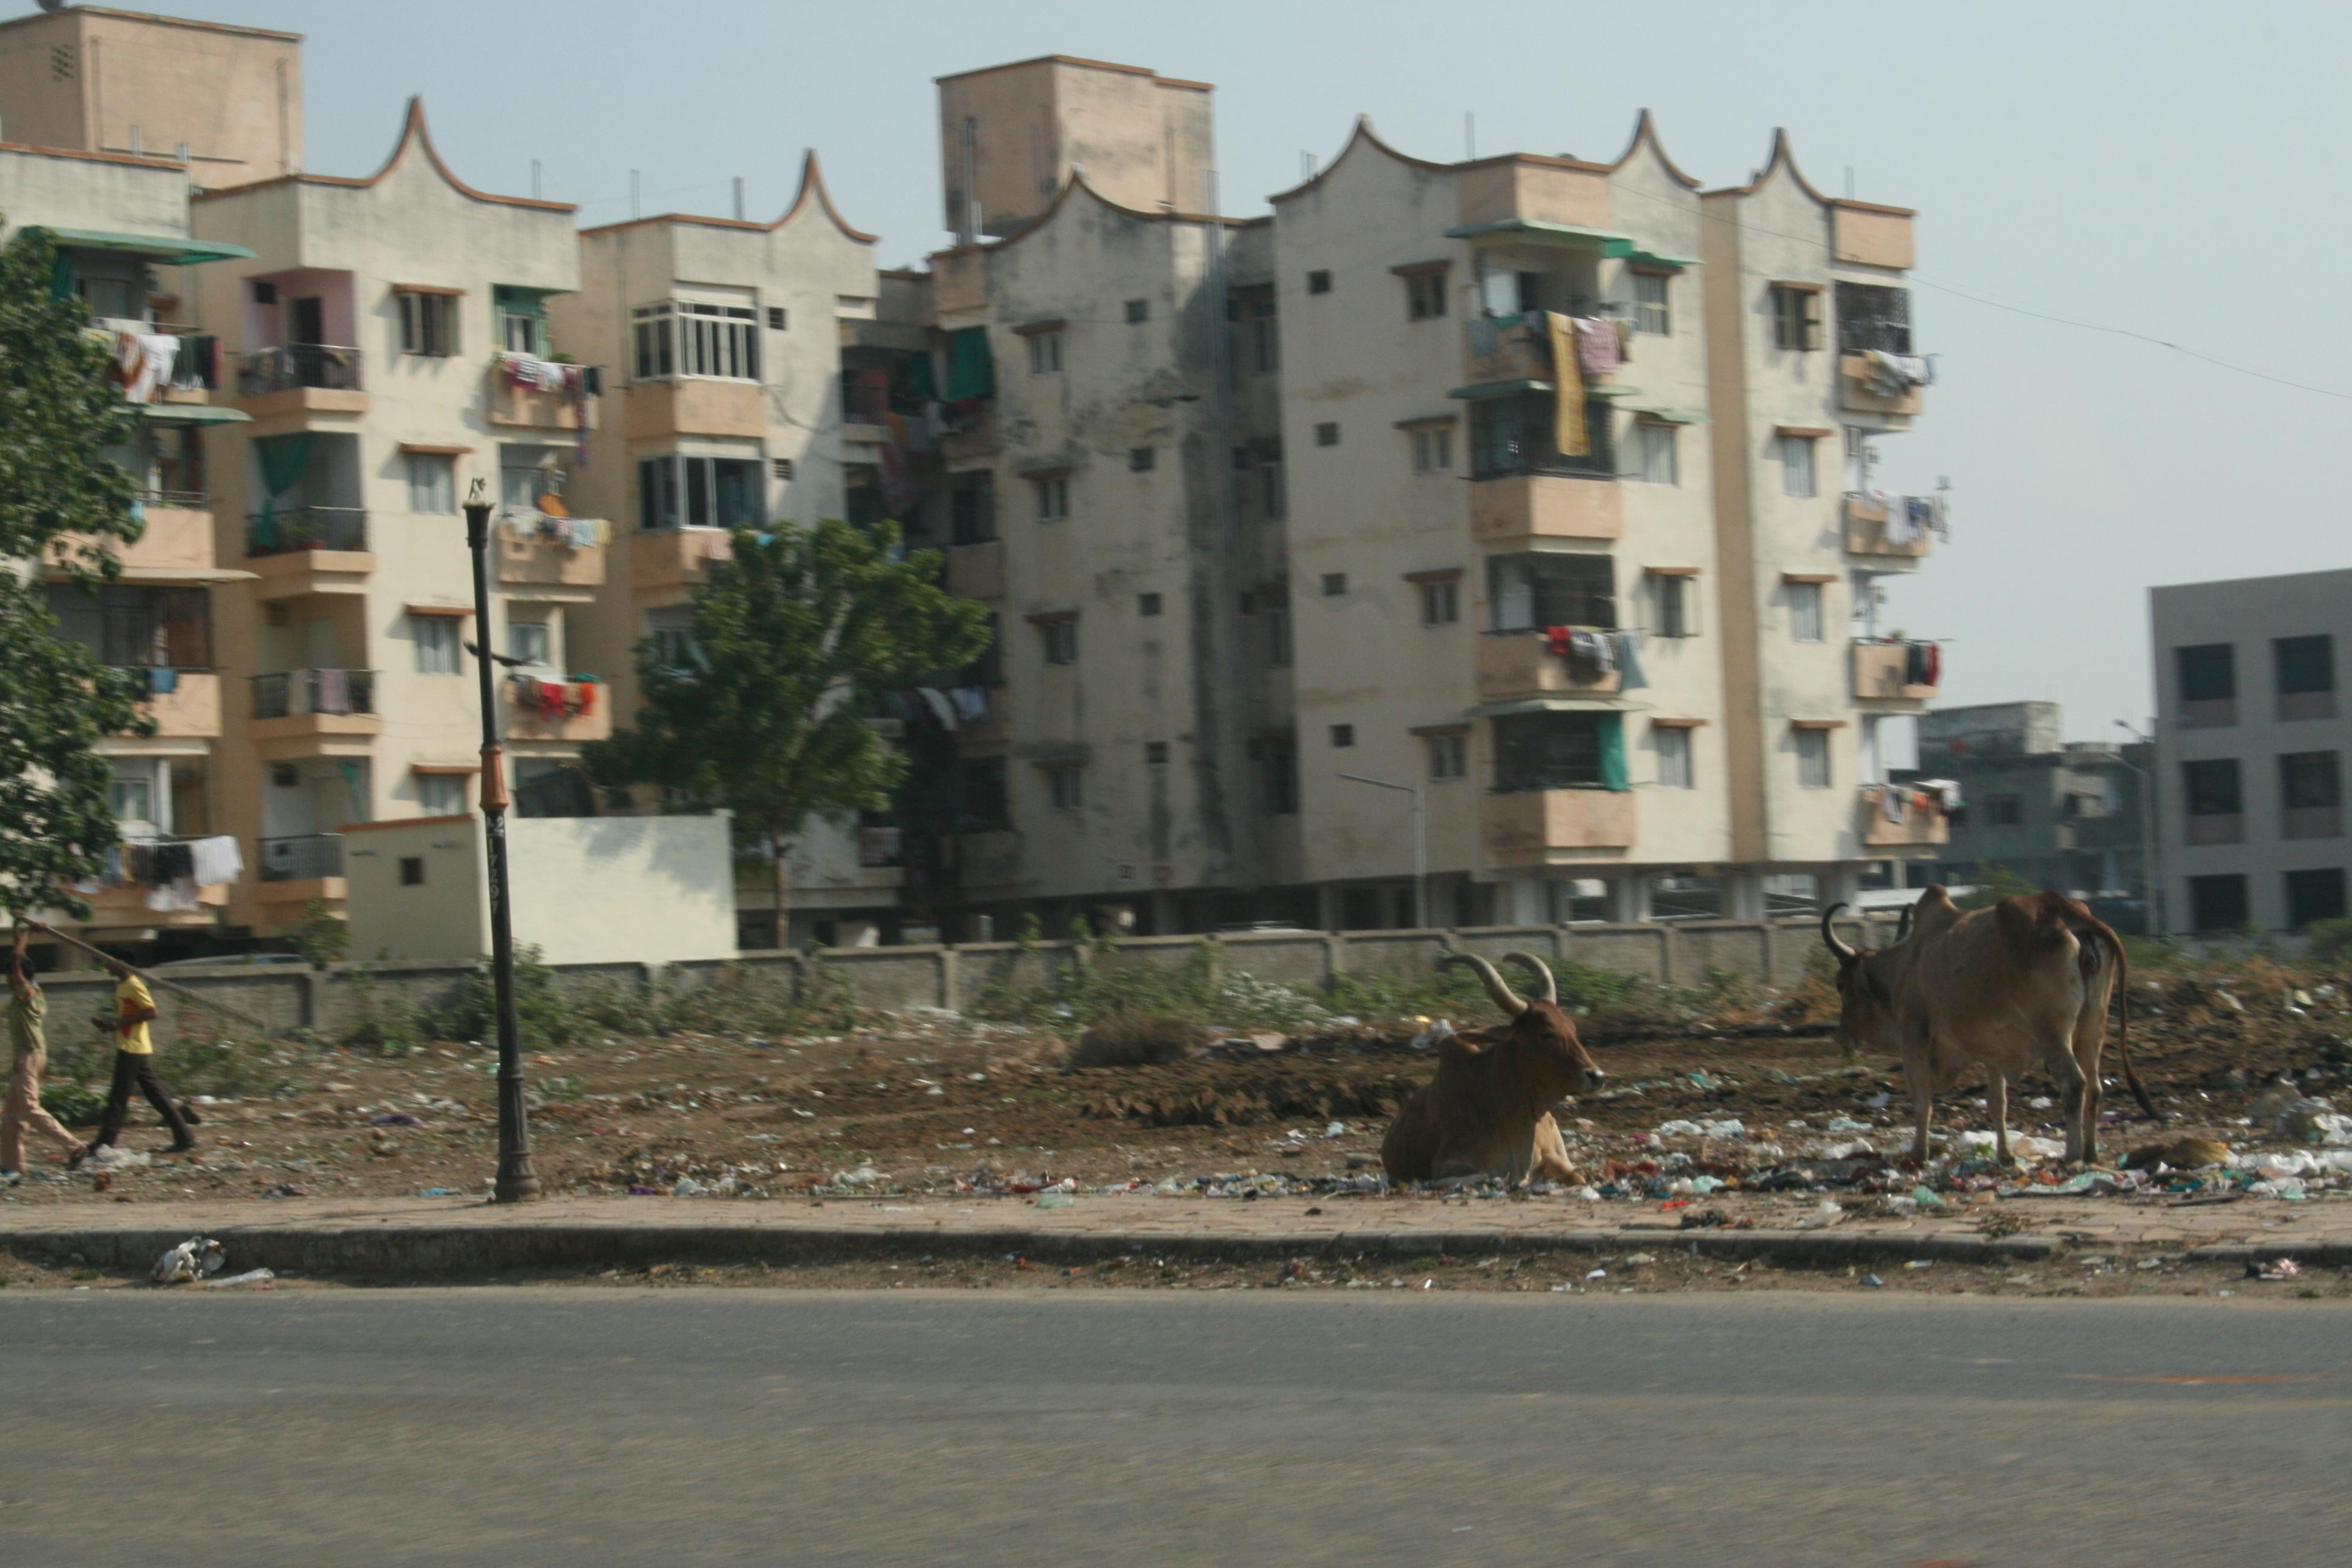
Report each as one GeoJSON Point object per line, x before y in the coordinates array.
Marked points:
{"type": "Point", "coordinates": [2022, 985]}
{"type": "Point", "coordinates": [1488, 1110]}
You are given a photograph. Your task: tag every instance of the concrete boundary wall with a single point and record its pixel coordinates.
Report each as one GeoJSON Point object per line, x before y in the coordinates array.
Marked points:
{"type": "Point", "coordinates": [335, 999]}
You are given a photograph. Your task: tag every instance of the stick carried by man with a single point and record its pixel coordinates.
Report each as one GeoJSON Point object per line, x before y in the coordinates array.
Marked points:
{"type": "Point", "coordinates": [28, 1010]}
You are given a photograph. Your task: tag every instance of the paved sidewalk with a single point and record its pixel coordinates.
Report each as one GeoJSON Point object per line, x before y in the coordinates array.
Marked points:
{"type": "Point", "coordinates": [465, 1236]}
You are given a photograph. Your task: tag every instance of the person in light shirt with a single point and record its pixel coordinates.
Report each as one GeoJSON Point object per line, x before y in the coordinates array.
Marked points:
{"type": "Point", "coordinates": [22, 1111]}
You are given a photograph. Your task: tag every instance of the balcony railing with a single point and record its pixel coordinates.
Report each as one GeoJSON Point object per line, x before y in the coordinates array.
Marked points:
{"type": "Point", "coordinates": [190, 501]}
{"type": "Point", "coordinates": [296, 692]}
{"type": "Point", "coordinates": [291, 365]}
{"type": "Point", "coordinates": [302, 857]}
{"type": "Point", "coordinates": [306, 528]}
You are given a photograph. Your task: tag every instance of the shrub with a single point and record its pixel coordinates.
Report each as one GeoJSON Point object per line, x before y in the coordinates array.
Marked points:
{"type": "Point", "coordinates": [2329, 943]}
{"type": "Point", "coordinates": [1135, 1040]}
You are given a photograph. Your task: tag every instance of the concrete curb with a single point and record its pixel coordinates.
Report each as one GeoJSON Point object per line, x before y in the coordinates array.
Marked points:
{"type": "Point", "coordinates": [471, 1250]}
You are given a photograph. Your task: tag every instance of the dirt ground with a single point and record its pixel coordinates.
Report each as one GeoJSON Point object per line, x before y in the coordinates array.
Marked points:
{"type": "Point", "coordinates": [933, 1104]}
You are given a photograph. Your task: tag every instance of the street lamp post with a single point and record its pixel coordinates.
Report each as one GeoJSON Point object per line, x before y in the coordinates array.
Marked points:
{"type": "Point", "coordinates": [517, 1182]}
{"type": "Point", "coordinates": [2151, 884]}
{"type": "Point", "coordinates": [1419, 846]}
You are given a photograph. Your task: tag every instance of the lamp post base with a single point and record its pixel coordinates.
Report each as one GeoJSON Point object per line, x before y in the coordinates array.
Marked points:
{"type": "Point", "coordinates": [516, 1183]}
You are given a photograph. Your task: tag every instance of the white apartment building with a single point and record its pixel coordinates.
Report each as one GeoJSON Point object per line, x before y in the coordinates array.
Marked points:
{"type": "Point", "coordinates": [2251, 737]}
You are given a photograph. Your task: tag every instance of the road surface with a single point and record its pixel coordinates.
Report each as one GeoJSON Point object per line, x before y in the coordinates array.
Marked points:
{"type": "Point", "coordinates": [579, 1425]}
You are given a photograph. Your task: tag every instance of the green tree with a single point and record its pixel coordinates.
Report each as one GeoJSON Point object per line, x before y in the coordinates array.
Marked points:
{"type": "Point", "coordinates": [791, 639]}
{"type": "Point", "coordinates": [1989, 884]}
{"type": "Point", "coordinates": [63, 506]}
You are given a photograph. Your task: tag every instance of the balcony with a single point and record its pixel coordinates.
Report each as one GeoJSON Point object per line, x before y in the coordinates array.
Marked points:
{"type": "Point", "coordinates": [544, 394]}
{"type": "Point", "coordinates": [1545, 506]}
{"type": "Point", "coordinates": [190, 710]}
{"type": "Point", "coordinates": [294, 870]}
{"type": "Point", "coordinates": [314, 713]}
{"type": "Point", "coordinates": [975, 439]}
{"type": "Point", "coordinates": [1534, 827]}
{"type": "Point", "coordinates": [178, 537]}
{"type": "Point", "coordinates": [533, 551]}
{"type": "Point", "coordinates": [301, 378]}
{"type": "Point", "coordinates": [1866, 535]}
{"type": "Point", "coordinates": [574, 711]}
{"type": "Point", "coordinates": [1521, 663]}
{"type": "Point", "coordinates": [1859, 391]}
{"type": "Point", "coordinates": [694, 406]}
{"type": "Point", "coordinates": [127, 904]}
{"type": "Point", "coordinates": [976, 571]}
{"type": "Point", "coordinates": [671, 560]}
{"type": "Point", "coordinates": [1894, 817]}
{"type": "Point", "coordinates": [309, 550]}
{"type": "Point", "coordinates": [1882, 677]}
{"type": "Point", "coordinates": [1508, 349]}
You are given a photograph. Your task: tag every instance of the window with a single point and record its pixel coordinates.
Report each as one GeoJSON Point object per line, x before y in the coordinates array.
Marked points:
{"type": "Point", "coordinates": [1053, 499]}
{"type": "Point", "coordinates": [1813, 759]}
{"type": "Point", "coordinates": [1425, 295]}
{"type": "Point", "coordinates": [778, 319]}
{"type": "Point", "coordinates": [985, 807]}
{"type": "Point", "coordinates": [1155, 753]}
{"type": "Point", "coordinates": [1343, 736]}
{"type": "Point", "coordinates": [1266, 337]}
{"type": "Point", "coordinates": [1549, 751]}
{"type": "Point", "coordinates": [436, 637]}
{"type": "Point", "coordinates": [1441, 603]}
{"type": "Point", "coordinates": [700, 492]}
{"type": "Point", "coordinates": [441, 795]}
{"type": "Point", "coordinates": [1433, 450]}
{"type": "Point", "coordinates": [679, 337]}
{"type": "Point", "coordinates": [1141, 459]}
{"type": "Point", "coordinates": [428, 323]}
{"type": "Point", "coordinates": [781, 466]}
{"type": "Point", "coordinates": [988, 669]}
{"type": "Point", "coordinates": [137, 625]}
{"type": "Point", "coordinates": [1651, 312]}
{"type": "Point", "coordinates": [412, 870]}
{"type": "Point", "coordinates": [1657, 454]}
{"type": "Point", "coordinates": [131, 798]}
{"type": "Point", "coordinates": [2210, 787]}
{"type": "Point", "coordinates": [1278, 767]}
{"type": "Point", "coordinates": [1319, 282]}
{"type": "Point", "coordinates": [117, 298]}
{"type": "Point", "coordinates": [1064, 786]}
{"type": "Point", "coordinates": [2306, 672]}
{"type": "Point", "coordinates": [1805, 612]}
{"type": "Point", "coordinates": [522, 321]}
{"type": "Point", "coordinates": [1449, 757]}
{"type": "Point", "coordinates": [2310, 795]}
{"type": "Point", "coordinates": [1272, 496]}
{"type": "Point", "coordinates": [2315, 896]}
{"type": "Point", "coordinates": [1873, 317]}
{"type": "Point", "coordinates": [1276, 617]}
{"type": "Point", "coordinates": [1335, 585]}
{"type": "Point", "coordinates": [1045, 353]}
{"type": "Point", "coordinates": [1797, 466]}
{"type": "Point", "coordinates": [671, 632]}
{"type": "Point", "coordinates": [2004, 811]}
{"type": "Point", "coordinates": [1060, 639]}
{"type": "Point", "coordinates": [1673, 606]}
{"type": "Point", "coordinates": [971, 507]}
{"type": "Point", "coordinates": [528, 641]}
{"type": "Point", "coordinates": [1674, 757]}
{"type": "Point", "coordinates": [2217, 903]}
{"type": "Point", "coordinates": [432, 482]}
{"type": "Point", "coordinates": [1517, 435]}
{"type": "Point", "coordinates": [1537, 590]}
{"type": "Point", "coordinates": [1796, 319]}
{"type": "Point", "coordinates": [1327, 435]}
{"type": "Point", "coordinates": [2209, 677]}
{"type": "Point", "coordinates": [1147, 603]}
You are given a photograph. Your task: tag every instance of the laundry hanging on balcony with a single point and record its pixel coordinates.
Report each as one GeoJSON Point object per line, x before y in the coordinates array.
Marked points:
{"type": "Point", "coordinates": [142, 363]}
{"type": "Point", "coordinates": [1600, 348]}
{"type": "Point", "coordinates": [576, 384]}
{"type": "Point", "coordinates": [571, 533]}
{"type": "Point", "coordinates": [1569, 437]}
{"type": "Point", "coordinates": [1892, 375]}
{"type": "Point", "coordinates": [554, 699]}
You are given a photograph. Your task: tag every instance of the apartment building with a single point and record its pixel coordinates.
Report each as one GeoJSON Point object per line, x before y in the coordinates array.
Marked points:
{"type": "Point", "coordinates": [392, 350]}
{"type": "Point", "coordinates": [121, 226]}
{"type": "Point", "coordinates": [1302, 528]}
{"type": "Point", "coordinates": [2250, 738]}
{"type": "Point", "coordinates": [756, 383]}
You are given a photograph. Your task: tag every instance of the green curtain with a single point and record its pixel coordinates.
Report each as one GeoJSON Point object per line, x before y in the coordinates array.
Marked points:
{"type": "Point", "coordinates": [62, 279]}
{"type": "Point", "coordinates": [1613, 772]}
{"type": "Point", "coordinates": [284, 460]}
{"type": "Point", "coordinates": [921, 385]}
{"type": "Point", "coordinates": [971, 373]}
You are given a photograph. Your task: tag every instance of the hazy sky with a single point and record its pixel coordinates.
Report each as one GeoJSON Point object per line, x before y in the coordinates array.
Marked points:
{"type": "Point", "coordinates": [2172, 170]}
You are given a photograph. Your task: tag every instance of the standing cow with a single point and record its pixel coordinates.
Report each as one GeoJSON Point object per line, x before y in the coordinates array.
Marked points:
{"type": "Point", "coordinates": [1487, 1111]}
{"type": "Point", "coordinates": [2022, 983]}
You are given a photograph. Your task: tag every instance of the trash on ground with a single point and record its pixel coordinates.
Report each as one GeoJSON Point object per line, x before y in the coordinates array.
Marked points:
{"type": "Point", "coordinates": [198, 1257]}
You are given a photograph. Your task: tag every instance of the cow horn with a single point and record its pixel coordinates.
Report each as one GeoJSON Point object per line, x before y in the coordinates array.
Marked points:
{"type": "Point", "coordinates": [1497, 986]}
{"type": "Point", "coordinates": [1845, 953]}
{"type": "Point", "coordinates": [1902, 923]}
{"type": "Point", "coordinates": [1549, 990]}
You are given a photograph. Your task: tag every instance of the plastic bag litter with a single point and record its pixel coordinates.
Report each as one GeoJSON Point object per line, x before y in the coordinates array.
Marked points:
{"type": "Point", "coordinates": [250, 1277]}
{"type": "Point", "coordinates": [1820, 1217]}
{"type": "Point", "coordinates": [687, 1187]}
{"type": "Point", "coordinates": [198, 1257]}
{"type": "Point", "coordinates": [1703, 1128]}
{"type": "Point", "coordinates": [107, 1157]}
{"type": "Point", "coordinates": [1437, 1032]}
{"type": "Point", "coordinates": [1846, 1124]}
{"type": "Point", "coordinates": [2024, 1145]}
{"type": "Point", "coordinates": [1056, 1200]}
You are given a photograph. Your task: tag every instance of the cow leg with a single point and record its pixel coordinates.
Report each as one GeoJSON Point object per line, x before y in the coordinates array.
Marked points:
{"type": "Point", "coordinates": [2078, 1100]}
{"type": "Point", "coordinates": [1997, 1097]}
{"type": "Point", "coordinates": [1918, 1074]}
{"type": "Point", "coordinates": [1551, 1161]}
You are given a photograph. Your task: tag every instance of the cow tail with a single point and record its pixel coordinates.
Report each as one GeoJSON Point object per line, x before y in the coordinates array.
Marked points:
{"type": "Point", "coordinates": [2122, 1009]}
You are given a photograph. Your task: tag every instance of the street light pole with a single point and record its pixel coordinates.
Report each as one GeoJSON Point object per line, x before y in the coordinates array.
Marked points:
{"type": "Point", "coordinates": [1419, 846]}
{"type": "Point", "coordinates": [516, 1183]}
{"type": "Point", "coordinates": [2151, 884]}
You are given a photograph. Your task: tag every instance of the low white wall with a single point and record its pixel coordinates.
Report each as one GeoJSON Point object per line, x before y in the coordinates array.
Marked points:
{"type": "Point", "coordinates": [446, 916]}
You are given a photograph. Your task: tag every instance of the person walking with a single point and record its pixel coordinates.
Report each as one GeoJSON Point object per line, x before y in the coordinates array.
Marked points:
{"type": "Point", "coordinates": [134, 1062]}
{"type": "Point", "coordinates": [28, 1012]}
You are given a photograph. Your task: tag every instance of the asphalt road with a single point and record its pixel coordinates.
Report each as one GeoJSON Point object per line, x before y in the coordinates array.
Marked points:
{"type": "Point", "coordinates": [581, 1426]}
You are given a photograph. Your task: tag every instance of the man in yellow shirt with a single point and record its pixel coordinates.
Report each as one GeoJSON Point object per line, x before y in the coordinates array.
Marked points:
{"type": "Point", "coordinates": [28, 1008]}
{"type": "Point", "coordinates": [134, 1062]}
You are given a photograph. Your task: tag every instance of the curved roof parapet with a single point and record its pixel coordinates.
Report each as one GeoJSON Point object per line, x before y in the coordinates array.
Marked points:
{"type": "Point", "coordinates": [413, 132]}
{"type": "Point", "coordinates": [812, 189]}
{"type": "Point", "coordinates": [1645, 132]}
{"type": "Point", "coordinates": [1362, 134]}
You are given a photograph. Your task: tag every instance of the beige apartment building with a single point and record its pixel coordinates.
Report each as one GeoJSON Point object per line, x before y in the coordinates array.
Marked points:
{"type": "Point", "coordinates": [1275, 514]}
